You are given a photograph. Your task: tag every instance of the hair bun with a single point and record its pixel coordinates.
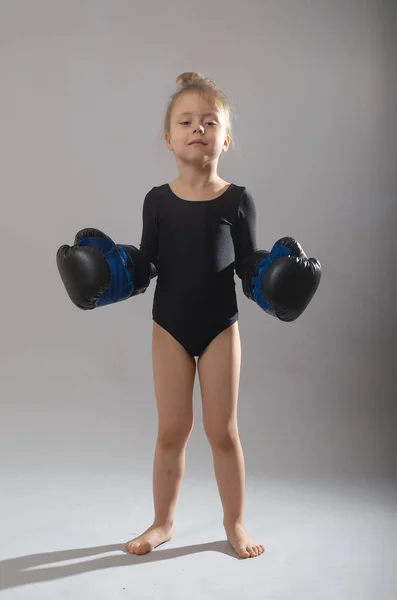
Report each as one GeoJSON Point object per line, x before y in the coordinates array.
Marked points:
{"type": "Point", "coordinates": [187, 78]}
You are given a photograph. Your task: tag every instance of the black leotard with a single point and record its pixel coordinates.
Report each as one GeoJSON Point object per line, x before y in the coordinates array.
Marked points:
{"type": "Point", "coordinates": [195, 246]}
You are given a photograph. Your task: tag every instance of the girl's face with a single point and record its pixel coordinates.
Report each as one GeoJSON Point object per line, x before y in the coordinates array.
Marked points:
{"type": "Point", "coordinates": [192, 119]}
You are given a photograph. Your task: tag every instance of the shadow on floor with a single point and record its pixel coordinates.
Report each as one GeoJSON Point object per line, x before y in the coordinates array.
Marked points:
{"type": "Point", "coordinates": [24, 570]}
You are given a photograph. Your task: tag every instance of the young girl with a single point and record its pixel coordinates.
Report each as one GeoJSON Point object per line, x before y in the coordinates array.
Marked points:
{"type": "Point", "coordinates": [196, 231]}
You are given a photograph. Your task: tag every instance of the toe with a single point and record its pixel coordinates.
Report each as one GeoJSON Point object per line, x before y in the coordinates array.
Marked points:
{"type": "Point", "coordinates": [143, 548]}
{"type": "Point", "coordinates": [243, 552]}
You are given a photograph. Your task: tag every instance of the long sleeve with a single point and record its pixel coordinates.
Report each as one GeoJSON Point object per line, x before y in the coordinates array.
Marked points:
{"type": "Point", "coordinates": [149, 239]}
{"type": "Point", "coordinates": [244, 232]}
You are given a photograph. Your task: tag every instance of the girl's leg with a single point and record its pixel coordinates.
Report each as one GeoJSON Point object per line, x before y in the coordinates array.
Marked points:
{"type": "Point", "coordinates": [219, 376]}
{"type": "Point", "coordinates": [174, 372]}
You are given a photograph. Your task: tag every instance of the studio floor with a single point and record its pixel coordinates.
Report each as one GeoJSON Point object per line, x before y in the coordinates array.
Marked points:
{"type": "Point", "coordinates": [62, 537]}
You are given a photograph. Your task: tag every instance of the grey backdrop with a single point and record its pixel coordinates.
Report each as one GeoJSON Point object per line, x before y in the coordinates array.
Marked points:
{"type": "Point", "coordinates": [84, 87]}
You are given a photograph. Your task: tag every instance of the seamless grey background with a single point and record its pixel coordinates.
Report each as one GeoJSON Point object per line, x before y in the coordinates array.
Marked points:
{"type": "Point", "coordinates": [84, 89]}
{"type": "Point", "coordinates": [84, 86]}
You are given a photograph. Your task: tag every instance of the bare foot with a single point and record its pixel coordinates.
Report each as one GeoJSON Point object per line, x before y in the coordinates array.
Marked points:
{"type": "Point", "coordinates": [149, 539]}
{"type": "Point", "coordinates": [244, 545]}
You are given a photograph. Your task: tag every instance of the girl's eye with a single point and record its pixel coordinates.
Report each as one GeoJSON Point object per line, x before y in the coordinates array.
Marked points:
{"type": "Point", "coordinates": [188, 122]}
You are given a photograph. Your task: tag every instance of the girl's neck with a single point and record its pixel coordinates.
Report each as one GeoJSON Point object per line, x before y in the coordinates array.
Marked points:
{"type": "Point", "coordinates": [207, 192]}
{"type": "Point", "coordinates": [199, 184]}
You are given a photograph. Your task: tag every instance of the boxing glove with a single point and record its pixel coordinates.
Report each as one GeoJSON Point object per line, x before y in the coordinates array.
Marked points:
{"type": "Point", "coordinates": [283, 281]}
{"type": "Point", "coordinates": [95, 271]}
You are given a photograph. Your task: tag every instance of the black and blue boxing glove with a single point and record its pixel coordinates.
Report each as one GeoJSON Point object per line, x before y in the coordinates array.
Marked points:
{"type": "Point", "coordinates": [95, 271]}
{"type": "Point", "coordinates": [283, 281]}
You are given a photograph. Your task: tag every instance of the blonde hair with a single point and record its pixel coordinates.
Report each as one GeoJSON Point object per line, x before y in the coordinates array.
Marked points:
{"type": "Point", "coordinates": [196, 82]}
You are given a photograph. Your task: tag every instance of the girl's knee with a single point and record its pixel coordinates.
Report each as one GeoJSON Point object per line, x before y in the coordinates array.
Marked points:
{"type": "Point", "coordinates": [174, 436]}
{"type": "Point", "coordinates": [222, 438]}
